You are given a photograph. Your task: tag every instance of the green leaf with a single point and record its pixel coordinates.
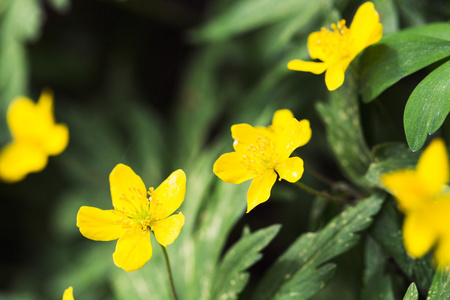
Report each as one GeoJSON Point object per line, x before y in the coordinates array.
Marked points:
{"type": "Point", "coordinates": [344, 133]}
{"type": "Point", "coordinates": [246, 15]}
{"type": "Point", "coordinates": [377, 285]}
{"type": "Point", "coordinates": [395, 57]}
{"type": "Point", "coordinates": [230, 278]}
{"type": "Point", "coordinates": [298, 268]}
{"type": "Point", "coordinates": [436, 30]}
{"type": "Point", "coordinates": [428, 106]}
{"type": "Point", "coordinates": [387, 232]}
{"type": "Point", "coordinates": [440, 288]}
{"type": "Point", "coordinates": [411, 293]}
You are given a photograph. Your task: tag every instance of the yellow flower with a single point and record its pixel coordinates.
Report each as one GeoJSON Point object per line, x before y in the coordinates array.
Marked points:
{"type": "Point", "coordinates": [338, 48]}
{"type": "Point", "coordinates": [68, 294]}
{"type": "Point", "coordinates": [35, 136]}
{"type": "Point", "coordinates": [261, 153]}
{"type": "Point", "coordinates": [424, 197]}
{"type": "Point", "coordinates": [134, 215]}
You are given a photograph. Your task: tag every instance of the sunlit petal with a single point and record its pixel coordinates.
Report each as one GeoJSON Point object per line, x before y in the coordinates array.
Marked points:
{"type": "Point", "coordinates": [128, 191]}
{"type": "Point", "coordinates": [232, 168]}
{"type": "Point", "coordinates": [68, 294]}
{"type": "Point", "coordinates": [167, 230]}
{"type": "Point", "coordinates": [334, 76]}
{"type": "Point", "coordinates": [365, 28]}
{"type": "Point", "coordinates": [291, 169]}
{"type": "Point", "coordinates": [260, 189]}
{"type": "Point", "coordinates": [100, 225]}
{"type": "Point", "coordinates": [418, 235]}
{"type": "Point", "coordinates": [18, 159]}
{"type": "Point", "coordinates": [406, 187]}
{"type": "Point", "coordinates": [245, 135]}
{"type": "Point", "coordinates": [307, 66]}
{"type": "Point", "coordinates": [432, 168]}
{"type": "Point", "coordinates": [168, 196]}
{"type": "Point", "coordinates": [133, 250]}
{"type": "Point", "coordinates": [282, 118]}
{"type": "Point", "coordinates": [56, 140]}
{"type": "Point", "coordinates": [442, 252]}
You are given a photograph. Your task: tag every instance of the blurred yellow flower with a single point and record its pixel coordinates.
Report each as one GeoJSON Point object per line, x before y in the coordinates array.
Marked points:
{"type": "Point", "coordinates": [424, 197]}
{"type": "Point", "coordinates": [261, 153]}
{"type": "Point", "coordinates": [68, 294]}
{"type": "Point", "coordinates": [35, 136]}
{"type": "Point", "coordinates": [134, 215]}
{"type": "Point", "coordinates": [338, 48]}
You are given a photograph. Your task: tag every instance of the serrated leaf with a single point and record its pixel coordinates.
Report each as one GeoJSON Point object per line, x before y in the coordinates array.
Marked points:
{"type": "Point", "coordinates": [297, 267]}
{"type": "Point", "coordinates": [440, 288]}
{"type": "Point", "coordinates": [411, 293]}
{"type": "Point", "coordinates": [386, 230]}
{"type": "Point", "coordinates": [427, 107]}
{"type": "Point", "coordinates": [230, 278]}
{"type": "Point", "coordinates": [246, 15]}
{"type": "Point", "coordinates": [395, 57]}
{"type": "Point", "coordinates": [343, 129]}
{"type": "Point", "coordinates": [377, 284]}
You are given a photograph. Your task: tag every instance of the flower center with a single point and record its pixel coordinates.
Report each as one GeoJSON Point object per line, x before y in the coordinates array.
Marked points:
{"type": "Point", "coordinates": [336, 44]}
{"type": "Point", "coordinates": [261, 155]}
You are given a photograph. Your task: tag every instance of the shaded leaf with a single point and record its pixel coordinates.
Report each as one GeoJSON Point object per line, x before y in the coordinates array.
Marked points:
{"type": "Point", "coordinates": [412, 293]}
{"type": "Point", "coordinates": [386, 230]}
{"type": "Point", "coordinates": [377, 285]}
{"type": "Point", "coordinates": [428, 106]}
{"type": "Point", "coordinates": [440, 288]}
{"type": "Point", "coordinates": [298, 268]}
{"type": "Point", "coordinates": [395, 57]}
{"type": "Point", "coordinates": [343, 129]}
{"type": "Point", "coordinates": [230, 277]}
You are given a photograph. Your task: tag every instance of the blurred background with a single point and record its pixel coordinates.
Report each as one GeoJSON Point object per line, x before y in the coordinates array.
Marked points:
{"type": "Point", "coordinates": [156, 85]}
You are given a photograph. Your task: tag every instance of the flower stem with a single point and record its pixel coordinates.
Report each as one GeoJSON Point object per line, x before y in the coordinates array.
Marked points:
{"type": "Point", "coordinates": [321, 194]}
{"type": "Point", "coordinates": [169, 271]}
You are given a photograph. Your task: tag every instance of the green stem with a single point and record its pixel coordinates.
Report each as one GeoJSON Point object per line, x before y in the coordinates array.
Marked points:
{"type": "Point", "coordinates": [169, 271]}
{"type": "Point", "coordinates": [320, 194]}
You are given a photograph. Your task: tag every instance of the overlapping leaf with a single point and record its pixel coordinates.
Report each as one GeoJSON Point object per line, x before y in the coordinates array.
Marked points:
{"type": "Point", "coordinates": [299, 273]}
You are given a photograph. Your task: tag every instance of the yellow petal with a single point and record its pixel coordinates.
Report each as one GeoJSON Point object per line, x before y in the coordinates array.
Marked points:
{"type": "Point", "coordinates": [231, 168]}
{"type": "Point", "coordinates": [133, 250]}
{"type": "Point", "coordinates": [167, 230]}
{"type": "Point", "coordinates": [306, 132]}
{"type": "Point", "coordinates": [245, 135]}
{"type": "Point", "coordinates": [18, 159]}
{"type": "Point", "coordinates": [128, 191]}
{"type": "Point", "coordinates": [260, 188]}
{"type": "Point", "coordinates": [68, 294]}
{"type": "Point", "coordinates": [442, 252]}
{"type": "Point", "coordinates": [291, 137]}
{"type": "Point", "coordinates": [100, 225]}
{"type": "Point", "coordinates": [406, 188]}
{"type": "Point", "coordinates": [319, 44]}
{"type": "Point", "coordinates": [334, 76]}
{"type": "Point", "coordinates": [291, 169]}
{"type": "Point", "coordinates": [419, 235]}
{"type": "Point", "coordinates": [365, 28]}
{"type": "Point", "coordinates": [307, 66]}
{"type": "Point", "coordinates": [56, 140]}
{"type": "Point", "coordinates": [23, 118]}
{"type": "Point", "coordinates": [282, 118]}
{"type": "Point", "coordinates": [168, 196]}
{"type": "Point", "coordinates": [432, 168]}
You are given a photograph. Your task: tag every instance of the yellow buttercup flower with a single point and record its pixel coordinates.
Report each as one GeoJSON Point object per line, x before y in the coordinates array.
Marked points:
{"type": "Point", "coordinates": [134, 215]}
{"type": "Point", "coordinates": [336, 49]}
{"type": "Point", "coordinates": [35, 136]}
{"type": "Point", "coordinates": [261, 153]}
{"type": "Point", "coordinates": [424, 197]}
{"type": "Point", "coordinates": [68, 294]}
